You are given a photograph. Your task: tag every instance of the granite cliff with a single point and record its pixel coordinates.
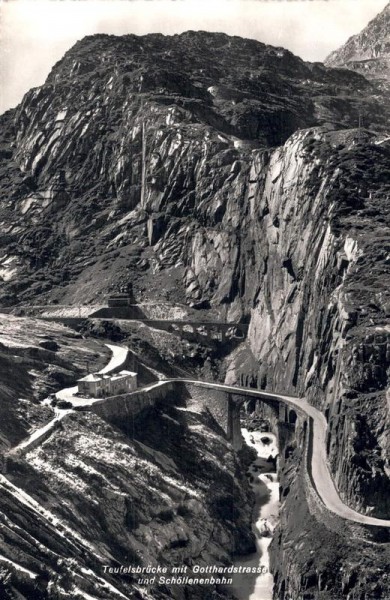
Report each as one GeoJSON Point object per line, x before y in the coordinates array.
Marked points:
{"type": "Point", "coordinates": [233, 177]}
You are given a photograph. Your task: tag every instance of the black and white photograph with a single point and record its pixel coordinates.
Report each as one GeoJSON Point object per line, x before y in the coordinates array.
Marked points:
{"type": "Point", "coordinates": [194, 300]}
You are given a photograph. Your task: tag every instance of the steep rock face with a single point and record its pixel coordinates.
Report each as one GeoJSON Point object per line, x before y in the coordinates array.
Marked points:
{"type": "Point", "coordinates": [311, 559]}
{"type": "Point", "coordinates": [318, 325]}
{"type": "Point", "coordinates": [164, 488]}
{"type": "Point", "coordinates": [368, 52]}
{"type": "Point", "coordinates": [117, 153]}
{"type": "Point", "coordinates": [243, 228]}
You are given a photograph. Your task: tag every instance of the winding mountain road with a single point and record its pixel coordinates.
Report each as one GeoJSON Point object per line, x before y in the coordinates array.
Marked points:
{"type": "Point", "coordinates": [322, 478]}
{"type": "Point", "coordinates": [118, 358]}
{"type": "Point", "coordinates": [57, 525]}
{"type": "Point", "coordinates": [320, 471]}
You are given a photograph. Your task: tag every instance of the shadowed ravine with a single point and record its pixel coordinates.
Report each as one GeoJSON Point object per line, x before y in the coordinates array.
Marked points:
{"type": "Point", "coordinates": [265, 514]}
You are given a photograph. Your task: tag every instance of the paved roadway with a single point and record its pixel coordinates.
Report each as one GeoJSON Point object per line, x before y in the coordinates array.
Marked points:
{"type": "Point", "coordinates": [59, 527]}
{"type": "Point", "coordinates": [41, 432]}
{"type": "Point", "coordinates": [320, 471]}
{"type": "Point", "coordinates": [118, 358]}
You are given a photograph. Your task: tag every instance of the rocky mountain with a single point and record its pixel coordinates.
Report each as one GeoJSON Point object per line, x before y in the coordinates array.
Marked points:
{"type": "Point", "coordinates": [231, 177]}
{"type": "Point", "coordinates": [34, 365]}
{"type": "Point", "coordinates": [368, 52]}
{"type": "Point", "coordinates": [136, 150]}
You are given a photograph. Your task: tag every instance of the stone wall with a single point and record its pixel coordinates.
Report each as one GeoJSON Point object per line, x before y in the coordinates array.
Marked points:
{"type": "Point", "coordinates": [216, 401]}
{"type": "Point", "coordinates": [123, 406]}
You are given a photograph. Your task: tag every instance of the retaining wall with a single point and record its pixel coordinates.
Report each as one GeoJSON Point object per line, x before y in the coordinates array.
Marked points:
{"type": "Point", "coordinates": [218, 402]}
{"type": "Point", "coordinates": [215, 400]}
{"type": "Point", "coordinates": [125, 406]}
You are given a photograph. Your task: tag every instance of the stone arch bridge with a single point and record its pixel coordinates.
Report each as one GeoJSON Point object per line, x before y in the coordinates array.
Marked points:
{"type": "Point", "coordinates": [224, 402]}
{"type": "Point", "coordinates": [72, 315]}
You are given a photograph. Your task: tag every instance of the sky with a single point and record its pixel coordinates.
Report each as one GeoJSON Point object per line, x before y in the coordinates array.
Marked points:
{"type": "Point", "coordinates": [35, 34]}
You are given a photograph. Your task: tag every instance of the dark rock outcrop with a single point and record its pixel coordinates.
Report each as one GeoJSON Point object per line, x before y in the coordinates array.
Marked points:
{"type": "Point", "coordinates": [164, 488]}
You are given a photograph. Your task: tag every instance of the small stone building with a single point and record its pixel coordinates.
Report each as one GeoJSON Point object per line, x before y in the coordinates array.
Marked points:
{"type": "Point", "coordinates": [91, 385]}
{"type": "Point", "coordinates": [120, 300]}
{"type": "Point", "coordinates": [98, 385]}
{"type": "Point", "coordinates": [122, 297]}
{"type": "Point", "coordinates": [123, 382]}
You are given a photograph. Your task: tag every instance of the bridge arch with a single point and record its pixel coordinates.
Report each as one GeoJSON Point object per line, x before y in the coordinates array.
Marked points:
{"type": "Point", "coordinates": [239, 402]}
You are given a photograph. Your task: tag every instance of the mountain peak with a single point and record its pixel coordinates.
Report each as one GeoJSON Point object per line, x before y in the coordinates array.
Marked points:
{"type": "Point", "coordinates": [367, 52]}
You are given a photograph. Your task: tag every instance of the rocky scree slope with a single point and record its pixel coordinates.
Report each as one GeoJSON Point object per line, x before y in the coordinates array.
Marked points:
{"type": "Point", "coordinates": [36, 359]}
{"type": "Point", "coordinates": [162, 488]}
{"type": "Point", "coordinates": [368, 52]}
{"type": "Point", "coordinates": [165, 489]}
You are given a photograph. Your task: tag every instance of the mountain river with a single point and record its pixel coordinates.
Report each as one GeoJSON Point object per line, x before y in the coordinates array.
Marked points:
{"type": "Point", "coordinates": [265, 515]}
